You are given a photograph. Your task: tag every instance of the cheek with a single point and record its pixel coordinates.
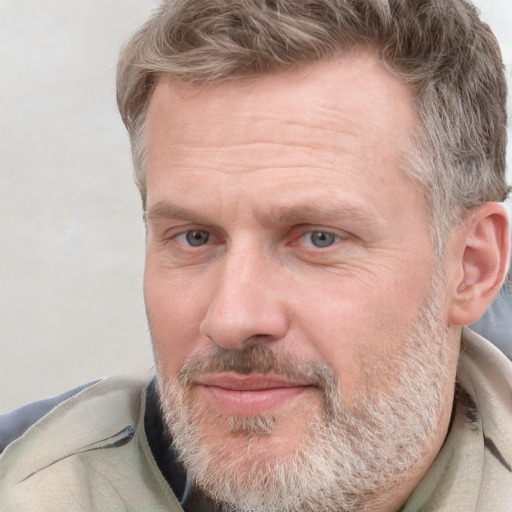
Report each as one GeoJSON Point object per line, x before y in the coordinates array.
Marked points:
{"type": "Point", "coordinates": [360, 328]}
{"type": "Point", "coordinates": [175, 310]}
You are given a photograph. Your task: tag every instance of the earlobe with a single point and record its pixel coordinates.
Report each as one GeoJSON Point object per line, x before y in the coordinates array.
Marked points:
{"type": "Point", "coordinates": [483, 263]}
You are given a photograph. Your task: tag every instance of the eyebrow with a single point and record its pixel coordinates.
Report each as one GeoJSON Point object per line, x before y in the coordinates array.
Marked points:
{"type": "Point", "coordinates": [165, 210]}
{"type": "Point", "coordinates": [318, 212]}
{"type": "Point", "coordinates": [285, 215]}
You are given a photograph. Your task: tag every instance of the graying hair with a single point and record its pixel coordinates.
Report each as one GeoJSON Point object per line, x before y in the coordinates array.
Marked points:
{"type": "Point", "coordinates": [440, 48]}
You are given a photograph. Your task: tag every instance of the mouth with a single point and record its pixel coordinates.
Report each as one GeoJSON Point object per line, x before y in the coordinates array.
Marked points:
{"type": "Point", "coordinates": [249, 395]}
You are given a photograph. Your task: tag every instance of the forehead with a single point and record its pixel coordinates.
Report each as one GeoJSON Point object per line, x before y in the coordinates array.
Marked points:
{"type": "Point", "coordinates": [342, 123]}
{"type": "Point", "coordinates": [356, 88]}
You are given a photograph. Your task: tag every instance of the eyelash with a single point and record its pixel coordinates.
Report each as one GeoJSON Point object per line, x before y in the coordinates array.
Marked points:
{"type": "Point", "coordinates": [325, 236]}
{"type": "Point", "coordinates": [328, 236]}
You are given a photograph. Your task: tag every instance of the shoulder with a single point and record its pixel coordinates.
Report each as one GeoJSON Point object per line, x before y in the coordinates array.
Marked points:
{"type": "Point", "coordinates": [71, 451]}
{"type": "Point", "coordinates": [120, 397]}
{"type": "Point", "coordinates": [496, 324]}
{"type": "Point", "coordinates": [82, 405]}
{"type": "Point", "coordinates": [490, 370]}
{"type": "Point", "coordinates": [14, 424]}
{"type": "Point", "coordinates": [79, 414]}
{"type": "Point", "coordinates": [485, 374]}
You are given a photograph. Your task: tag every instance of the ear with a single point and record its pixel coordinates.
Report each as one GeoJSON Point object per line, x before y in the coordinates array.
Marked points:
{"type": "Point", "coordinates": [483, 251]}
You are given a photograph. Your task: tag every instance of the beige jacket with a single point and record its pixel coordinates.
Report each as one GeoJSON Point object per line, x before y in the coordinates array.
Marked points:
{"type": "Point", "coordinates": [91, 453]}
{"type": "Point", "coordinates": [88, 454]}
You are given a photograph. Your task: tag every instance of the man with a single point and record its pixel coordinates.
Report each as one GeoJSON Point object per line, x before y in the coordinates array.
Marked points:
{"type": "Point", "coordinates": [320, 182]}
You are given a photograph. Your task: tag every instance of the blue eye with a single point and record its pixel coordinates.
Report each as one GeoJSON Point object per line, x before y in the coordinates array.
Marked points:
{"type": "Point", "coordinates": [322, 239]}
{"type": "Point", "coordinates": [197, 237]}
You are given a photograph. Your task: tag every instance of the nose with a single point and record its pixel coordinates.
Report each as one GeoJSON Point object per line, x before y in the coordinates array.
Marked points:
{"type": "Point", "coordinates": [247, 305]}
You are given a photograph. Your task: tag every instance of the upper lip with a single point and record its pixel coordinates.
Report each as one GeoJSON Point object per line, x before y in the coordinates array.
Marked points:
{"type": "Point", "coordinates": [236, 382]}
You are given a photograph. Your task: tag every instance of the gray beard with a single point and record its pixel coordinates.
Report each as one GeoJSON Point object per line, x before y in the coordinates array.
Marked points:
{"type": "Point", "coordinates": [350, 459]}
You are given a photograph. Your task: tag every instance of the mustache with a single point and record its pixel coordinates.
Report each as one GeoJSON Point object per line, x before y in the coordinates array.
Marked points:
{"type": "Point", "coordinates": [260, 360]}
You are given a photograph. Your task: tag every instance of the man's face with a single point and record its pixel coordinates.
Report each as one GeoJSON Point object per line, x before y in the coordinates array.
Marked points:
{"type": "Point", "coordinates": [288, 267]}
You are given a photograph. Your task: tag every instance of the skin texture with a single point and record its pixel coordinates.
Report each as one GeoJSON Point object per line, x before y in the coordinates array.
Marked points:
{"type": "Point", "coordinates": [263, 171]}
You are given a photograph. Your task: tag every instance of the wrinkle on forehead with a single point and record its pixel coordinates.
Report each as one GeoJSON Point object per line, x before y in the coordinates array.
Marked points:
{"type": "Point", "coordinates": [332, 110]}
{"type": "Point", "coordinates": [338, 124]}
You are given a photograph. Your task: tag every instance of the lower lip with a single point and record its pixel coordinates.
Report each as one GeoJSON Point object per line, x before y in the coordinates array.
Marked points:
{"type": "Point", "coordinates": [251, 403]}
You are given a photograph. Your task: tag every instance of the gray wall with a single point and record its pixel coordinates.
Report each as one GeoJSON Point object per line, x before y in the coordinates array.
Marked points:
{"type": "Point", "coordinates": [71, 235]}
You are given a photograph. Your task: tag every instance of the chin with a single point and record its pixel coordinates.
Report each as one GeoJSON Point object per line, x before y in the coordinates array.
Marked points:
{"type": "Point", "coordinates": [250, 443]}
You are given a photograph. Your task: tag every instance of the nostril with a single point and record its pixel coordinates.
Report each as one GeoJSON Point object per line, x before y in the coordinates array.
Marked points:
{"type": "Point", "coordinates": [241, 328]}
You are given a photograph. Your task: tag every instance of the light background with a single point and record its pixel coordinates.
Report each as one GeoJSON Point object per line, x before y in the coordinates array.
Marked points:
{"type": "Point", "coordinates": [71, 233]}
